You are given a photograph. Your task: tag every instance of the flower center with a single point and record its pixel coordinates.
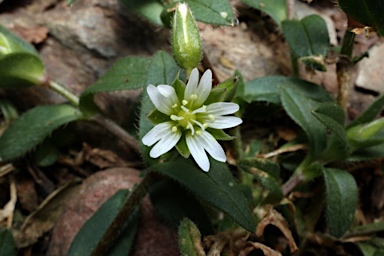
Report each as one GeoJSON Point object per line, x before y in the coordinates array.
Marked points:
{"type": "Point", "coordinates": [188, 117]}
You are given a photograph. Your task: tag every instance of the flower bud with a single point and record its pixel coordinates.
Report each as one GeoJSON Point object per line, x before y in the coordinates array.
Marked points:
{"type": "Point", "coordinates": [366, 131]}
{"type": "Point", "coordinates": [186, 40]}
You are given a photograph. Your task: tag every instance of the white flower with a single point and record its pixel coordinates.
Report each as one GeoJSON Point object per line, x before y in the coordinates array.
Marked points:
{"type": "Point", "coordinates": [189, 117]}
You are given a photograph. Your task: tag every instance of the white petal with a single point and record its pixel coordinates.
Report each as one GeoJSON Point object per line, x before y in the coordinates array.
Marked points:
{"type": "Point", "coordinates": [195, 146]}
{"type": "Point", "coordinates": [162, 103]}
{"type": "Point", "coordinates": [224, 122]}
{"type": "Point", "coordinates": [204, 88]}
{"type": "Point", "coordinates": [168, 92]}
{"type": "Point", "coordinates": [156, 133]}
{"type": "Point", "coordinates": [167, 142]}
{"type": "Point", "coordinates": [192, 84]}
{"type": "Point", "coordinates": [213, 147]}
{"type": "Point", "coordinates": [222, 108]}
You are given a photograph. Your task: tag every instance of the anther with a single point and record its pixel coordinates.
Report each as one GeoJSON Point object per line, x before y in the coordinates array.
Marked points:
{"type": "Point", "coordinates": [198, 132]}
{"type": "Point", "coordinates": [174, 106]}
{"type": "Point", "coordinates": [174, 129]}
{"type": "Point", "coordinates": [211, 117]}
{"type": "Point", "coordinates": [184, 102]}
{"type": "Point", "coordinates": [193, 97]}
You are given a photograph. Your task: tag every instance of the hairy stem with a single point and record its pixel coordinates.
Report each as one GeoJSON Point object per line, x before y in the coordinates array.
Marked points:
{"type": "Point", "coordinates": [70, 96]}
{"type": "Point", "coordinates": [344, 69]}
{"type": "Point", "coordinates": [130, 205]}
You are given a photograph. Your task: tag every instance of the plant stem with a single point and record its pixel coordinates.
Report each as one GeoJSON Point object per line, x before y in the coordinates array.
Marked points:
{"type": "Point", "coordinates": [71, 97]}
{"type": "Point", "coordinates": [117, 131]}
{"type": "Point", "coordinates": [344, 68]}
{"type": "Point", "coordinates": [132, 202]}
{"type": "Point", "coordinates": [295, 65]}
{"type": "Point", "coordinates": [290, 9]}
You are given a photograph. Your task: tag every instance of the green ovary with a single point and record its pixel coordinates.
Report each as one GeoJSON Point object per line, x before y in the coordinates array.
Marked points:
{"type": "Point", "coordinates": [187, 118]}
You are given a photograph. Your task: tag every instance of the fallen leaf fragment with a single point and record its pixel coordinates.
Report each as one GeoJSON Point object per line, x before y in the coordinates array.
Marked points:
{"type": "Point", "coordinates": [272, 217]}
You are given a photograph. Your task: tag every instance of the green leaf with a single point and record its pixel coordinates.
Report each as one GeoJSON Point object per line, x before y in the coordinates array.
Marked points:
{"type": "Point", "coordinates": [149, 9]}
{"type": "Point", "coordinates": [367, 229]}
{"type": "Point", "coordinates": [7, 244]}
{"type": "Point", "coordinates": [217, 12]}
{"type": "Point", "coordinates": [33, 127]}
{"type": "Point", "coordinates": [341, 200]}
{"type": "Point", "coordinates": [190, 239]}
{"type": "Point", "coordinates": [299, 108]}
{"type": "Point", "coordinates": [163, 70]}
{"type": "Point", "coordinates": [332, 116]}
{"type": "Point", "coordinates": [13, 43]}
{"type": "Point", "coordinates": [216, 187]}
{"type": "Point", "coordinates": [367, 153]}
{"type": "Point", "coordinates": [21, 69]}
{"type": "Point", "coordinates": [277, 9]}
{"type": "Point", "coordinates": [174, 203]}
{"type": "Point", "coordinates": [126, 74]}
{"type": "Point", "coordinates": [8, 110]}
{"type": "Point", "coordinates": [266, 172]}
{"type": "Point", "coordinates": [93, 230]}
{"type": "Point", "coordinates": [370, 113]}
{"type": "Point", "coordinates": [367, 12]}
{"type": "Point", "coordinates": [268, 89]}
{"type": "Point", "coordinates": [308, 39]}
{"type": "Point", "coordinates": [46, 154]}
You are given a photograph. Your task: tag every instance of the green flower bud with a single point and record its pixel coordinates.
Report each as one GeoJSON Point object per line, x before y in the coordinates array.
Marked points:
{"type": "Point", "coordinates": [366, 131]}
{"type": "Point", "coordinates": [186, 40]}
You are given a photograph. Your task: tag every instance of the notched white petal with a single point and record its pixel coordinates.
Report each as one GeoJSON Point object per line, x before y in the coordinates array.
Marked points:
{"type": "Point", "coordinates": [156, 133]}
{"type": "Point", "coordinates": [168, 92]}
{"type": "Point", "coordinates": [224, 122]}
{"type": "Point", "coordinates": [222, 108]}
{"type": "Point", "coordinates": [162, 103]}
{"type": "Point", "coordinates": [167, 142]}
{"type": "Point", "coordinates": [213, 147]}
{"type": "Point", "coordinates": [204, 88]}
{"type": "Point", "coordinates": [192, 84]}
{"type": "Point", "coordinates": [195, 146]}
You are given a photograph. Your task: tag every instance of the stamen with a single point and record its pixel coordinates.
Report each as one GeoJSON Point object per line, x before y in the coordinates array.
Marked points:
{"type": "Point", "coordinates": [193, 97]}
{"type": "Point", "coordinates": [205, 126]}
{"type": "Point", "coordinates": [174, 129]}
{"type": "Point", "coordinates": [184, 102]}
{"type": "Point", "coordinates": [202, 109]}
{"type": "Point", "coordinates": [176, 118]}
{"type": "Point", "coordinates": [211, 117]}
{"type": "Point", "coordinates": [185, 109]}
{"type": "Point", "coordinates": [198, 132]}
{"type": "Point", "coordinates": [199, 124]}
{"type": "Point", "coordinates": [190, 126]}
{"type": "Point", "coordinates": [174, 106]}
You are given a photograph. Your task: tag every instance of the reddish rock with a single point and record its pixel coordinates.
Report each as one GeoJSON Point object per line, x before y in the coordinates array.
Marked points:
{"type": "Point", "coordinates": [95, 190]}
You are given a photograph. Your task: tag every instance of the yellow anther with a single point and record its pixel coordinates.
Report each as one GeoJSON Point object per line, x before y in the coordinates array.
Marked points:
{"type": "Point", "coordinates": [211, 117]}
{"type": "Point", "coordinates": [184, 102]}
{"type": "Point", "coordinates": [173, 117]}
{"type": "Point", "coordinates": [193, 97]}
{"type": "Point", "coordinates": [198, 132]}
{"type": "Point", "coordinates": [174, 106]}
{"type": "Point", "coordinates": [174, 129]}
{"type": "Point", "coordinates": [205, 126]}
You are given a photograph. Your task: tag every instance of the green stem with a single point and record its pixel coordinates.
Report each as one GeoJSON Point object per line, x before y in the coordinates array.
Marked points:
{"type": "Point", "coordinates": [130, 205]}
{"type": "Point", "coordinates": [295, 65]}
{"type": "Point", "coordinates": [71, 97]}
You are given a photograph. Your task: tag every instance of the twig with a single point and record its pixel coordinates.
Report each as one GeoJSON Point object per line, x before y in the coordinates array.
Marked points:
{"type": "Point", "coordinates": [117, 131]}
{"type": "Point", "coordinates": [132, 202]}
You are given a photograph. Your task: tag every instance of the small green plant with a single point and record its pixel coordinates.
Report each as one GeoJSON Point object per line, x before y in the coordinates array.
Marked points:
{"type": "Point", "coordinates": [182, 117]}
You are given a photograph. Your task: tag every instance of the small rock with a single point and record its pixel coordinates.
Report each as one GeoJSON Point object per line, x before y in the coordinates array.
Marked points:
{"type": "Point", "coordinates": [370, 75]}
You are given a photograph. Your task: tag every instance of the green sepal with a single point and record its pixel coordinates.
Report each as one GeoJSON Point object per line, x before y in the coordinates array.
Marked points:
{"type": "Point", "coordinates": [216, 95]}
{"type": "Point", "coordinates": [230, 85]}
{"type": "Point", "coordinates": [366, 131]}
{"type": "Point", "coordinates": [156, 117]}
{"type": "Point", "coordinates": [167, 14]}
{"type": "Point", "coordinates": [182, 147]}
{"type": "Point", "coordinates": [220, 134]}
{"type": "Point", "coordinates": [179, 87]}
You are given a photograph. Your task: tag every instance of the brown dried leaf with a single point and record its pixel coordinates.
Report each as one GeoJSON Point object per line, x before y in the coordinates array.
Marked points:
{"type": "Point", "coordinates": [44, 218]}
{"type": "Point", "coordinates": [256, 245]}
{"type": "Point", "coordinates": [8, 209]}
{"type": "Point", "coordinates": [272, 217]}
